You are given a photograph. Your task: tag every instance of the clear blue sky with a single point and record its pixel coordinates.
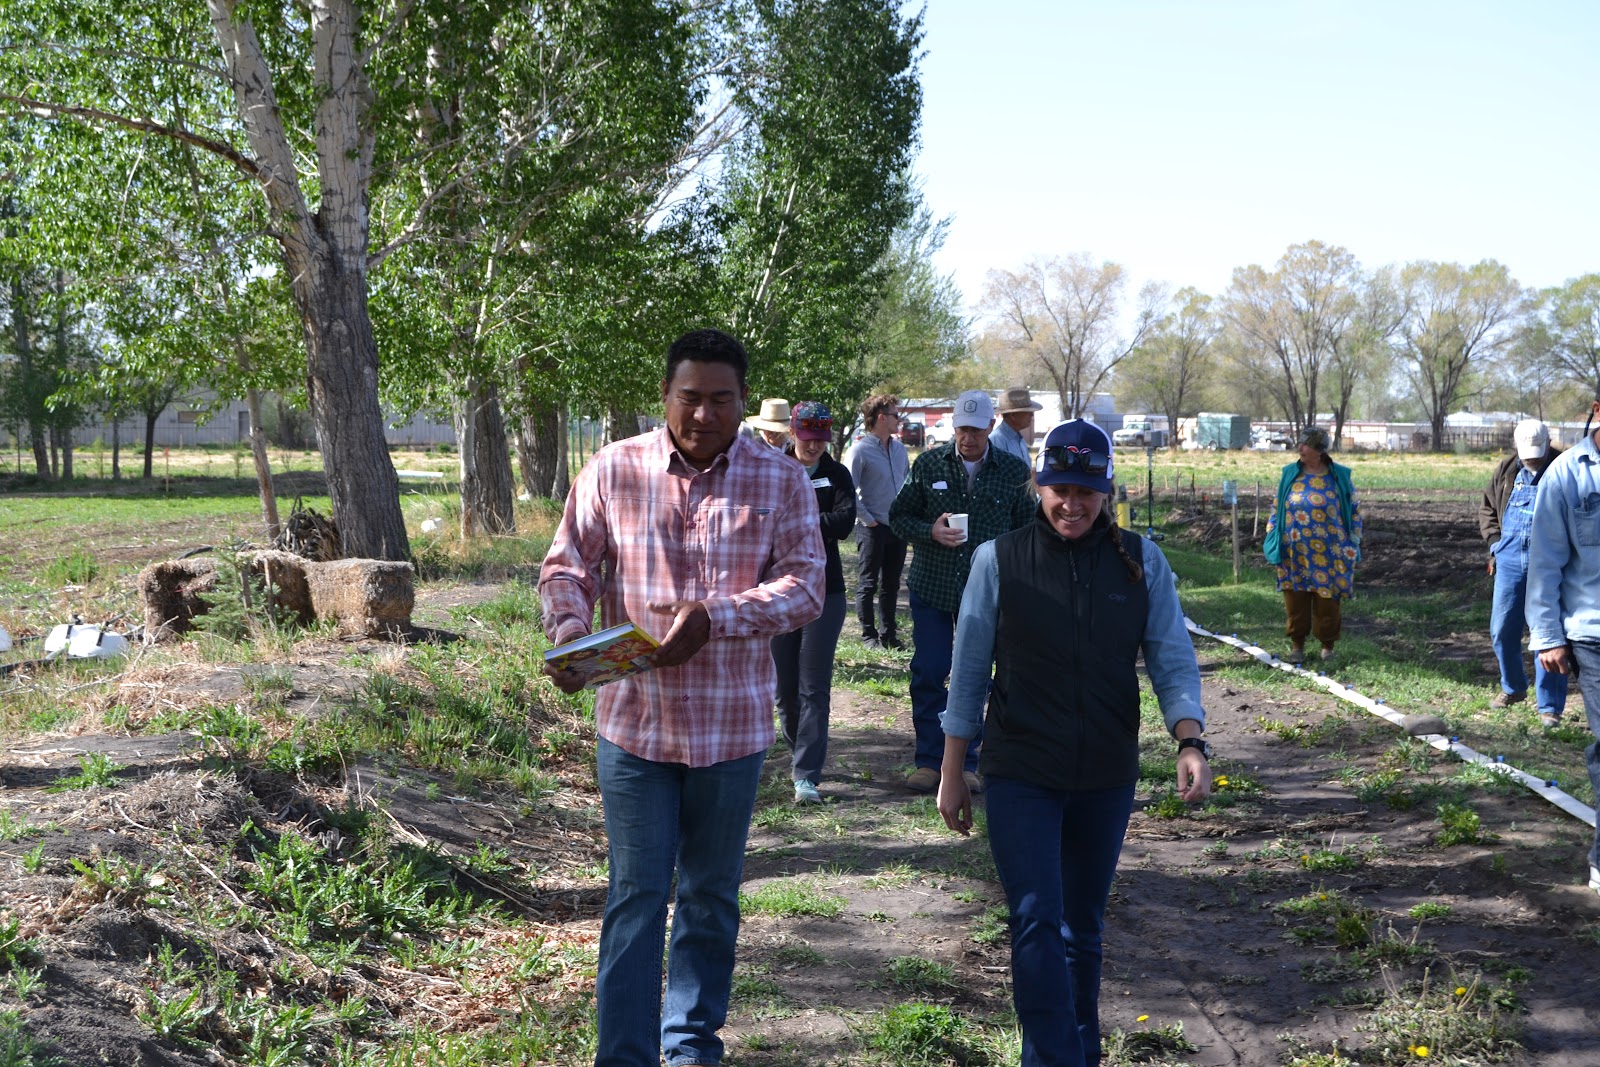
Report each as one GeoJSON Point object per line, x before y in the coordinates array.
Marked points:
{"type": "Point", "coordinates": [1183, 138]}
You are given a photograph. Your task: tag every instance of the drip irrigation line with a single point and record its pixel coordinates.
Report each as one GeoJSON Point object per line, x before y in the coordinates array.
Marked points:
{"type": "Point", "coordinates": [1544, 788]}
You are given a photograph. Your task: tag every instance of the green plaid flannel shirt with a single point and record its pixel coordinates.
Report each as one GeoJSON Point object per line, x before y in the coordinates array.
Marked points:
{"type": "Point", "coordinates": [1001, 500]}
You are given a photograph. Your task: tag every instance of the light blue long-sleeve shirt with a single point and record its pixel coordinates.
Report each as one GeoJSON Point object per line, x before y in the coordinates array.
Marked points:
{"type": "Point", "coordinates": [1168, 649]}
{"type": "Point", "coordinates": [1563, 601]}
{"type": "Point", "coordinates": [1008, 440]}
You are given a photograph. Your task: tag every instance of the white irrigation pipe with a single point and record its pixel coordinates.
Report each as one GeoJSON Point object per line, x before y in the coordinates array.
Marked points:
{"type": "Point", "coordinates": [1547, 789]}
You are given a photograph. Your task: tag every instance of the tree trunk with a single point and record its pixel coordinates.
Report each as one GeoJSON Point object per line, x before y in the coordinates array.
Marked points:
{"type": "Point", "coordinates": [258, 452]}
{"type": "Point", "coordinates": [116, 450]}
{"type": "Point", "coordinates": [22, 328]}
{"type": "Point", "coordinates": [563, 482]}
{"type": "Point", "coordinates": [55, 453]}
{"type": "Point", "coordinates": [150, 418]}
{"type": "Point", "coordinates": [66, 452]}
{"type": "Point", "coordinates": [486, 483]}
{"type": "Point", "coordinates": [342, 382]}
{"type": "Point", "coordinates": [325, 253]}
{"type": "Point", "coordinates": [539, 451]}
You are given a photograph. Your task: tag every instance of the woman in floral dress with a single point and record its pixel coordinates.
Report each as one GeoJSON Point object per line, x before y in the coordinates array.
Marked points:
{"type": "Point", "coordinates": [1314, 537]}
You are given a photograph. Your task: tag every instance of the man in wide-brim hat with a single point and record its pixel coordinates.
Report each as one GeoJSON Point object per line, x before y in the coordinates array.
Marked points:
{"type": "Point", "coordinates": [773, 423]}
{"type": "Point", "coordinates": [1015, 432]}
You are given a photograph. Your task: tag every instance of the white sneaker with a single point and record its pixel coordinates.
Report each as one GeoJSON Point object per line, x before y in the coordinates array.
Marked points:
{"type": "Point", "coordinates": [805, 792]}
{"type": "Point", "coordinates": [1594, 879]}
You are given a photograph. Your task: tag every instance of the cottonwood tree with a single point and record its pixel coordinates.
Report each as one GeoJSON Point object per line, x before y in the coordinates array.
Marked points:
{"type": "Point", "coordinates": [1456, 319]}
{"type": "Point", "coordinates": [1170, 369]}
{"type": "Point", "coordinates": [580, 113]}
{"type": "Point", "coordinates": [1570, 316]}
{"type": "Point", "coordinates": [1291, 320]}
{"type": "Point", "coordinates": [1065, 315]}
{"type": "Point", "coordinates": [918, 333]}
{"type": "Point", "coordinates": [812, 191]}
{"type": "Point", "coordinates": [1362, 349]}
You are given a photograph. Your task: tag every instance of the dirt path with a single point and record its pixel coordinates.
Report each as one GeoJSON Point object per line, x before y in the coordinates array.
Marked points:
{"type": "Point", "coordinates": [1224, 921]}
{"type": "Point", "coordinates": [1196, 934]}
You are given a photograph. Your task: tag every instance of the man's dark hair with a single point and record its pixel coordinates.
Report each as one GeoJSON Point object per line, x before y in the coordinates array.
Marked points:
{"type": "Point", "coordinates": [708, 346]}
{"type": "Point", "coordinates": [873, 406]}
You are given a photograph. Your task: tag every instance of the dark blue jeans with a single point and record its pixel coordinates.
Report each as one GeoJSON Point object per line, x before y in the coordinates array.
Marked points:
{"type": "Point", "coordinates": [804, 661]}
{"type": "Point", "coordinates": [1056, 851]}
{"type": "Point", "coordinates": [934, 634]}
{"type": "Point", "coordinates": [1587, 653]}
{"type": "Point", "coordinates": [1507, 621]}
{"type": "Point", "coordinates": [661, 819]}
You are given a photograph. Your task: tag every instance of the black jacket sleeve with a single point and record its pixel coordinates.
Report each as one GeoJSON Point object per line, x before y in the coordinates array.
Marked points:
{"type": "Point", "coordinates": [837, 503]}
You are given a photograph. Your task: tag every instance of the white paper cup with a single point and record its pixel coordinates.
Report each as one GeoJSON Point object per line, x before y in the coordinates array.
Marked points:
{"type": "Point", "coordinates": [958, 522]}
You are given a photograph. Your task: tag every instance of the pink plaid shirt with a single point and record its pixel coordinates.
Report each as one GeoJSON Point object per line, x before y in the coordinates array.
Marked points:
{"type": "Point", "coordinates": [644, 527]}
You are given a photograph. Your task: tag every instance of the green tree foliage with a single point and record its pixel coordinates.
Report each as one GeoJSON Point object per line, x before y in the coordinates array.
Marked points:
{"type": "Point", "coordinates": [918, 335]}
{"type": "Point", "coordinates": [813, 190]}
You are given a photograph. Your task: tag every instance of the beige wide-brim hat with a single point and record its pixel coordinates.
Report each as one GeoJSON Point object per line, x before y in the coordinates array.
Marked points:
{"type": "Point", "coordinates": [1017, 399]}
{"type": "Point", "coordinates": [774, 415]}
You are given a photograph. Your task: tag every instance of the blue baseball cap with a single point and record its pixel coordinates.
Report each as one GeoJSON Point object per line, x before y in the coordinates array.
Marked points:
{"type": "Point", "coordinates": [1076, 452]}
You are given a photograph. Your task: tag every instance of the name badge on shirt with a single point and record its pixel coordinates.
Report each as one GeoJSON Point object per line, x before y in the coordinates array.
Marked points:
{"type": "Point", "coordinates": [820, 483]}
{"type": "Point", "coordinates": [941, 485]}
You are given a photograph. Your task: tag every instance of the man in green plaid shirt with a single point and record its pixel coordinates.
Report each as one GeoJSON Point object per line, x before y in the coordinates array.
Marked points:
{"type": "Point", "coordinates": [993, 491]}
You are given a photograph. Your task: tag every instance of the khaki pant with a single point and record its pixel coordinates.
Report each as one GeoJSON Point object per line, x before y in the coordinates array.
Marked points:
{"type": "Point", "coordinates": [1309, 613]}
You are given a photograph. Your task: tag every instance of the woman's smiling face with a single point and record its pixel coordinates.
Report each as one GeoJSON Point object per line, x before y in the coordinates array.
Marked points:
{"type": "Point", "coordinates": [1071, 509]}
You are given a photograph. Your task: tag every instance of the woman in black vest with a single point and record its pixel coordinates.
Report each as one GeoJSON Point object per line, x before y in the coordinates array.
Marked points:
{"type": "Point", "coordinates": [804, 657]}
{"type": "Point", "coordinates": [1058, 612]}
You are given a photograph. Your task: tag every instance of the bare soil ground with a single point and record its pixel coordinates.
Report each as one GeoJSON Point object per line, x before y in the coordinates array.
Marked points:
{"type": "Point", "coordinates": [1198, 931]}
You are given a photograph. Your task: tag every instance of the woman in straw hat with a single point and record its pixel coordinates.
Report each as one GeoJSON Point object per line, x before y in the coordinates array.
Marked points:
{"type": "Point", "coordinates": [772, 425]}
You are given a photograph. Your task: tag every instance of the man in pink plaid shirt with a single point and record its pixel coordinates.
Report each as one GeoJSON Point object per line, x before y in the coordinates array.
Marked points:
{"type": "Point", "coordinates": [714, 539]}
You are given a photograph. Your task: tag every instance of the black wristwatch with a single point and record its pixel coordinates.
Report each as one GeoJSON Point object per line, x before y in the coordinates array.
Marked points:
{"type": "Point", "coordinates": [1196, 742]}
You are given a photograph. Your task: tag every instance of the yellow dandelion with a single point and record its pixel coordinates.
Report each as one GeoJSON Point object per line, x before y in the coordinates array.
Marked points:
{"type": "Point", "coordinates": [1422, 1052]}
{"type": "Point", "coordinates": [1221, 780]}
{"type": "Point", "coordinates": [1141, 1018]}
{"type": "Point", "coordinates": [1461, 990]}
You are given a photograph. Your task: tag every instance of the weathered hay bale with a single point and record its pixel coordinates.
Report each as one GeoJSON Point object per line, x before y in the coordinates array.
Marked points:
{"type": "Point", "coordinates": [171, 594]}
{"type": "Point", "coordinates": [285, 574]}
{"type": "Point", "coordinates": [365, 596]}
{"type": "Point", "coordinates": [369, 597]}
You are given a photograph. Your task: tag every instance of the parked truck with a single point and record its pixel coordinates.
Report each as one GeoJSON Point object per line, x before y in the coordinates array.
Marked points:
{"type": "Point", "coordinates": [1139, 433]}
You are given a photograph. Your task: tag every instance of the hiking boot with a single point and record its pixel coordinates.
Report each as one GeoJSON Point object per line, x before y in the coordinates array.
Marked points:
{"type": "Point", "coordinates": [889, 640]}
{"type": "Point", "coordinates": [923, 780]}
{"type": "Point", "coordinates": [974, 783]}
{"type": "Point", "coordinates": [805, 792]}
{"type": "Point", "coordinates": [1297, 655]}
{"type": "Point", "coordinates": [1327, 653]}
{"type": "Point", "coordinates": [1505, 700]}
{"type": "Point", "coordinates": [871, 640]}
{"type": "Point", "coordinates": [1549, 720]}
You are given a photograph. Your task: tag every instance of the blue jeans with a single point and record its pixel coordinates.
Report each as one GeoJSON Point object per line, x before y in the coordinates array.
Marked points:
{"type": "Point", "coordinates": [1587, 653]}
{"type": "Point", "coordinates": [1056, 851]}
{"type": "Point", "coordinates": [1507, 621]}
{"type": "Point", "coordinates": [934, 634]}
{"type": "Point", "coordinates": [663, 818]}
{"type": "Point", "coordinates": [804, 661]}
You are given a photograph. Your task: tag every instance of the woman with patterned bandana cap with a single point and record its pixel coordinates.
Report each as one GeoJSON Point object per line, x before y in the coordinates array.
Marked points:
{"type": "Point", "coordinates": [804, 657]}
{"type": "Point", "coordinates": [1314, 537]}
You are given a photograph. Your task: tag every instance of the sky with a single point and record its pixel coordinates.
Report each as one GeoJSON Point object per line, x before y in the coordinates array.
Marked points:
{"type": "Point", "coordinates": [1184, 138]}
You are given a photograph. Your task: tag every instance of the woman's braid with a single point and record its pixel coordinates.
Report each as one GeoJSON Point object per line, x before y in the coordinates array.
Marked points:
{"type": "Point", "coordinates": [1135, 568]}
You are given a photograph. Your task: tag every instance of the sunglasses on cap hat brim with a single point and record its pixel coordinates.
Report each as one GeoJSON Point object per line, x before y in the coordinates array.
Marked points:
{"type": "Point", "coordinates": [1071, 457]}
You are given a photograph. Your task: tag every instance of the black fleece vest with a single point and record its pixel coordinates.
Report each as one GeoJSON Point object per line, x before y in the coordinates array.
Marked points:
{"type": "Point", "coordinates": [1064, 709]}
